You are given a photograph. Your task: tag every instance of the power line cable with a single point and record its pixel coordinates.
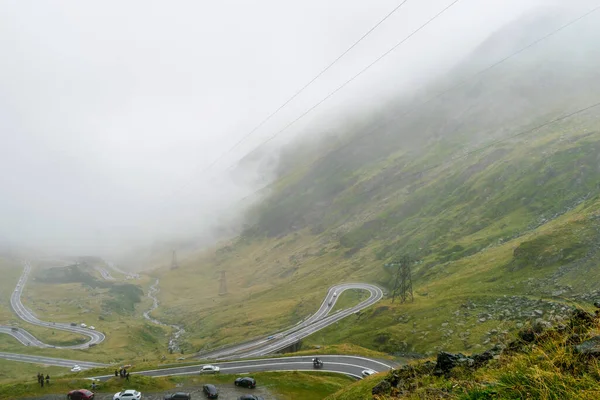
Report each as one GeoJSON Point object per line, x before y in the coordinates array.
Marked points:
{"type": "Point", "coordinates": [430, 99]}
{"type": "Point", "coordinates": [462, 156]}
{"type": "Point", "coordinates": [310, 109]}
{"type": "Point", "coordinates": [296, 94]}
{"type": "Point", "coordinates": [460, 84]}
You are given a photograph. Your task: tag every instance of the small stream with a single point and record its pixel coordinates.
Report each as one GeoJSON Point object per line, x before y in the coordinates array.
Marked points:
{"type": "Point", "coordinates": [174, 340]}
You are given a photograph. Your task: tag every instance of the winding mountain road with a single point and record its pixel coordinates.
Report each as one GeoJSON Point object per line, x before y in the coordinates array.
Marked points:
{"type": "Point", "coordinates": [347, 365]}
{"type": "Point", "coordinates": [314, 323]}
{"type": "Point", "coordinates": [26, 315]}
{"type": "Point", "coordinates": [58, 362]}
{"type": "Point", "coordinates": [104, 273]}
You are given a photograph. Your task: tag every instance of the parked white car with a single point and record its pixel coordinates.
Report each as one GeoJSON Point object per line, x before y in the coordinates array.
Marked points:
{"type": "Point", "coordinates": [128, 395]}
{"type": "Point", "coordinates": [368, 372]}
{"type": "Point", "coordinates": [83, 325]}
{"type": "Point", "coordinates": [209, 369]}
{"type": "Point", "coordinates": [93, 328]}
{"type": "Point", "coordinates": [76, 368]}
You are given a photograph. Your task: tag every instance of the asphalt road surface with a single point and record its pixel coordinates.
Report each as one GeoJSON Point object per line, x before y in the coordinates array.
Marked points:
{"type": "Point", "coordinates": [59, 362]}
{"type": "Point", "coordinates": [314, 323]}
{"type": "Point", "coordinates": [347, 365]}
{"type": "Point", "coordinates": [26, 315]}
{"type": "Point", "coordinates": [105, 274]}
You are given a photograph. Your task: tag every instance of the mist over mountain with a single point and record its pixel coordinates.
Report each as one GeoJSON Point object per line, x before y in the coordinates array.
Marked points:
{"type": "Point", "coordinates": [551, 78]}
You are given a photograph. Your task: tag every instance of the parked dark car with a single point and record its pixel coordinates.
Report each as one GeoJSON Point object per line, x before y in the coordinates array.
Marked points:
{"type": "Point", "coordinates": [210, 391]}
{"type": "Point", "coordinates": [250, 397]}
{"type": "Point", "coordinates": [80, 394]}
{"type": "Point", "coordinates": [178, 396]}
{"type": "Point", "coordinates": [246, 382]}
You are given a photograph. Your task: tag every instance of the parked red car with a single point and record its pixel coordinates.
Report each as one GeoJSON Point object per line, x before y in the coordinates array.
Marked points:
{"type": "Point", "coordinates": [80, 394]}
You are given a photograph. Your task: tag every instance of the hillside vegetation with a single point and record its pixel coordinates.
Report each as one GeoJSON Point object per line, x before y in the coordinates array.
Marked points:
{"type": "Point", "coordinates": [489, 188]}
{"type": "Point", "coordinates": [74, 294]}
{"type": "Point", "coordinates": [541, 363]}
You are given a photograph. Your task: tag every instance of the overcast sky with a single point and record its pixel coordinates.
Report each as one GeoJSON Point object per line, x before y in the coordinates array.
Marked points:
{"type": "Point", "coordinates": [111, 110]}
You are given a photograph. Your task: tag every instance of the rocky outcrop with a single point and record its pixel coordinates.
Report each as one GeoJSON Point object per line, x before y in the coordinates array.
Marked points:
{"type": "Point", "coordinates": [590, 347]}
{"type": "Point", "coordinates": [573, 332]}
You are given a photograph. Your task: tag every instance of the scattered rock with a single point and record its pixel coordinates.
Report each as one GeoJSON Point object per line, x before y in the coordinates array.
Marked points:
{"type": "Point", "coordinates": [540, 326]}
{"type": "Point", "coordinates": [527, 335]}
{"type": "Point", "coordinates": [382, 388]}
{"type": "Point", "coordinates": [590, 347]}
{"type": "Point", "coordinates": [582, 318]}
{"type": "Point", "coordinates": [447, 361]}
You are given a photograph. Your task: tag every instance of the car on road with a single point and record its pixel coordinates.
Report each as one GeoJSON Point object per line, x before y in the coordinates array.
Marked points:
{"type": "Point", "coordinates": [80, 394]}
{"type": "Point", "coordinates": [368, 372]}
{"type": "Point", "coordinates": [249, 397]}
{"type": "Point", "coordinates": [317, 362]}
{"type": "Point", "coordinates": [128, 394]}
{"type": "Point", "coordinates": [178, 396]}
{"type": "Point", "coordinates": [209, 369]}
{"type": "Point", "coordinates": [210, 391]}
{"type": "Point", "coordinates": [76, 368]}
{"type": "Point", "coordinates": [245, 382]}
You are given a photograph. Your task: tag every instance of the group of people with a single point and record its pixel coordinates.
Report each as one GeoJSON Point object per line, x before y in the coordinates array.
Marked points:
{"type": "Point", "coordinates": [123, 373]}
{"type": "Point", "coordinates": [40, 378]}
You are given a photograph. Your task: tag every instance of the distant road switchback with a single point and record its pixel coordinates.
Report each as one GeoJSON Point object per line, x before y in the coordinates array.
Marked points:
{"type": "Point", "coordinates": [319, 320]}
{"type": "Point", "coordinates": [26, 315]}
{"type": "Point", "coordinates": [343, 364]}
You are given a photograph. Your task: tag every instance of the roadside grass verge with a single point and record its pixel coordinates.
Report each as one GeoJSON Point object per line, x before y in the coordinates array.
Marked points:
{"type": "Point", "coordinates": [16, 370]}
{"type": "Point", "coordinates": [286, 385]}
{"type": "Point", "coordinates": [349, 298]}
{"type": "Point", "coordinates": [360, 390]}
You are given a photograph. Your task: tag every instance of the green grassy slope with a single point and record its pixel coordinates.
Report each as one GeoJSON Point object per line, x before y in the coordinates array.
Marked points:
{"type": "Point", "coordinates": [73, 294]}
{"type": "Point", "coordinates": [539, 363]}
{"type": "Point", "coordinates": [517, 219]}
{"type": "Point", "coordinates": [488, 204]}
